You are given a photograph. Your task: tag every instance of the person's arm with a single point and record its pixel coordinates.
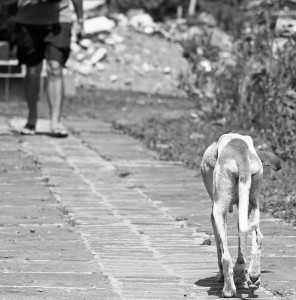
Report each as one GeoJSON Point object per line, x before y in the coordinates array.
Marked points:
{"type": "Point", "coordinates": [78, 7]}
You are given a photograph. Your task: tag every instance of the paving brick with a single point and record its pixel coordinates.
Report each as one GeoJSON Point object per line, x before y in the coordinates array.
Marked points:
{"type": "Point", "coordinates": [139, 223]}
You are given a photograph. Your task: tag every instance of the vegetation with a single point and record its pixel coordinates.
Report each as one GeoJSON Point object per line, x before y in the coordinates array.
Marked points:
{"type": "Point", "coordinates": [254, 89]}
{"type": "Point", "coordinates": [159, 9]}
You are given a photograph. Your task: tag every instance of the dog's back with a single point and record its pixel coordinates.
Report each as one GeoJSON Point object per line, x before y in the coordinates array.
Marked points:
{"type": "Point", "coordinates": [238, 157]}
{"type": "Point", "coordinates": [233, 155]}
{"type": "Point", "coordinates": [237, 164]}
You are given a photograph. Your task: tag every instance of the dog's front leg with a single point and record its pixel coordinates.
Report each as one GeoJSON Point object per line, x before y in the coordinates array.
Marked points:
{"type": "Point", "coordinates": [254, 268]}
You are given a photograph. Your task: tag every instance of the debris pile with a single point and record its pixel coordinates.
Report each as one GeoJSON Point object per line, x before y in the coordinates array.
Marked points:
{"type": "Point", "coordinates": [126, 52]}
{"type": "Point", "coordinates": [131, 51]}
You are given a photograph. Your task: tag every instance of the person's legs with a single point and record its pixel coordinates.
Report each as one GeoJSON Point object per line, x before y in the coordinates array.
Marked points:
{"type": "Point", "coordinates": [32, 90]}
{"type": "Point", "coordinates": [55, 92]}
{"type": "Point", "coordinates": [31, 53]}
{"type": "Point", "coordinates": [56, 53]}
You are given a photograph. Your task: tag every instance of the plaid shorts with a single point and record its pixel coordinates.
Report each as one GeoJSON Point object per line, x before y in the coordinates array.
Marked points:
{"type": "Point", "coordinates": [38, 42]}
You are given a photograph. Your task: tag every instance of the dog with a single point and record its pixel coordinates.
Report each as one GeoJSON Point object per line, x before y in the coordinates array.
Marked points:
{"type": "Point", "coordinates": [232, 171]}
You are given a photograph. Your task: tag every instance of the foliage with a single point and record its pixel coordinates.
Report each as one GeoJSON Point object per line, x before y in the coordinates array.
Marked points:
{"type": "Point", "coordinates": [159, 9]}
{"type": "Point", "coordinates": [253, 89]}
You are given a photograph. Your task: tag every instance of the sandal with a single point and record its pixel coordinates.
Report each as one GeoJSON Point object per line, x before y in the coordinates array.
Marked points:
{"type": "Point", "coordinates": [28, 130]}
{"type": "Point", "coordinates": [59, 132]}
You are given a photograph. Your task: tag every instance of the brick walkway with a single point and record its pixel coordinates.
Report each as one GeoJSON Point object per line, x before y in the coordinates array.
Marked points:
{"type": "Point", "coordinates": [96, 216]}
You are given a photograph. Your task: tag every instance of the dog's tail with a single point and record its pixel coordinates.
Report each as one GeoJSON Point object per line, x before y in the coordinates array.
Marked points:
{"type": "Point", "coordinates": [244, 186]}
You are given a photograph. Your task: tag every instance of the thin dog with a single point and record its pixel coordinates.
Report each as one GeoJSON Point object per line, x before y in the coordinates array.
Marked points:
{"type": "Point", "coordinates": [232, 171]}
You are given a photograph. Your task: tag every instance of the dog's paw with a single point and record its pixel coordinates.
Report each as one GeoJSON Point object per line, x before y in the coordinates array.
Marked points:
{"type": "Point", "coordinates": [240, 275]}
{"type": "Point", "coordinates": [229, 293]}
{"type": "Point", "coordinates": [229, 289]}
{"type": "Point", "coordinates": [253, 281]}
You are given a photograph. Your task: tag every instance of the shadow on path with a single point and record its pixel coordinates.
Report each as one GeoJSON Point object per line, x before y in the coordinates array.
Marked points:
{"type": "Point", "coordinates": [215, 288]}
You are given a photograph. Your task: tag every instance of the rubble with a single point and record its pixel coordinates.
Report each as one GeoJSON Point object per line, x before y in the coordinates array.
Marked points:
{"type": "Point", "coordinates": [113, 78]}
{"type": "Point", "coordinates": [206, 65]}
{"type": "Point", "coordinates": [98, 55]}
{"type": "Point", "coordinates": [85, 43]}
{"type": "Point", "coordinates": [205, 18]}
{"type": "Point", "coordinates": [85, 68]}
{"type": "Point", "coordinates": [144, 23]}
{"type": "Point", "coordinates": [89, 5]}
{"type": "Point", "coordinates": [98, 24]}
{"type": "Point", "coordinates": [100, 67]}
{"type": "Point", "coordinates": [221, 39]}
{"type": "Point", "coordinates": [108, 50]}
{"type": "Point", "coordinates": [166, 70]}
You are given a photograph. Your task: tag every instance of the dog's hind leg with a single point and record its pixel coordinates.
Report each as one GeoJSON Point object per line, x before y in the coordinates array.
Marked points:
{"type": "Point", "coordinates": [240, 276]}
{"type": "Point", "coordinates": [219, 253]}
{"type": "Point", "coordinates": [257, 239]}
{"type": "Point", "coordinates": [223, 184]}
{"type": "Point", "coordinates": [219, 218]}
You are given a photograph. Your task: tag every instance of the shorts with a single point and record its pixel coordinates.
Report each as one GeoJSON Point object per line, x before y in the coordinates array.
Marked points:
{"type": "Point", "coordinates": [38, 42]}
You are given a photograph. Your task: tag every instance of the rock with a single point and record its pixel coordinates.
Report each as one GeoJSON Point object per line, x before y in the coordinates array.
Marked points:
{"type": "Point", "coordinates": [148, 30]}
{"type": "Point", "coordinates": [75, 48]}
{"type": "Point", "coordinates": [100, 67]}
{"type": "Point", "coordinates": [117, 38]}
{"type": "Point", "coordinates": [114, 39]}
{"type": "Point", "coordinates": [134, 12]}
{"type": "Point", "coordinates": [146, 67]}
{"type": "Point", "coordinates": [85, 68]}
{"type": "Point", "coordinates": [113, 78]}
{"type": "Point", "coordinates": [90, 51]}
{"type": "Point", "coordinates": [206, 65]}
{"type": "Point", "coordinates": [85, 43]}
{"type": "Point", "coordinates": [195, 33]}
{"type": "Point", "coordinates": [143, 22]}
{"type": "Point", "coordinates": [99, 55]}
{"type": "Point", "coordinates": [194, 115]}
{"type": "Point", "coordinates": [128, 81]}
{"type": "Point", "coordinates": [98, 24]}
{"type": "Point", "coordinates": [109, 41]}
{"type": "Point", "coordinates": [206, 19]}
{"type": "Point", "coordinates": [220, 122]}
{"type": "Point", "coordinates": [166, 70]}
{"type": "Point", "coordinates": [196, 136]}
{"type": "Point", "coordinates": [199, 51]}
{"type": "Point", "coordinates": [162, 146]}
{"type": "Point", "coordinates": [138, 70]}
{"type": "Point", "coordinates": [221, 39]}
{"type": "Point", "coordinates": [92, 4]}
{"type": "Point", "coordinates": [80, 56]}
{"type": "Point", "coordinates": [103, 36]}
{"type": "Point", "coordinates": [120, 48]}
{"type": "Point", "coordinates": [121, 20]}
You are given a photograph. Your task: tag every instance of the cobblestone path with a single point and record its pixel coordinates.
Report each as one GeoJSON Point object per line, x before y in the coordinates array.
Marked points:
{"type": "Point", "coordinates": [97, 216]}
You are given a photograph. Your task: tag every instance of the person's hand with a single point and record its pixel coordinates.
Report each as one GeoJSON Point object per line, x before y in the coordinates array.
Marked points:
{"type": "Point", "coordinates": [80, 30]}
